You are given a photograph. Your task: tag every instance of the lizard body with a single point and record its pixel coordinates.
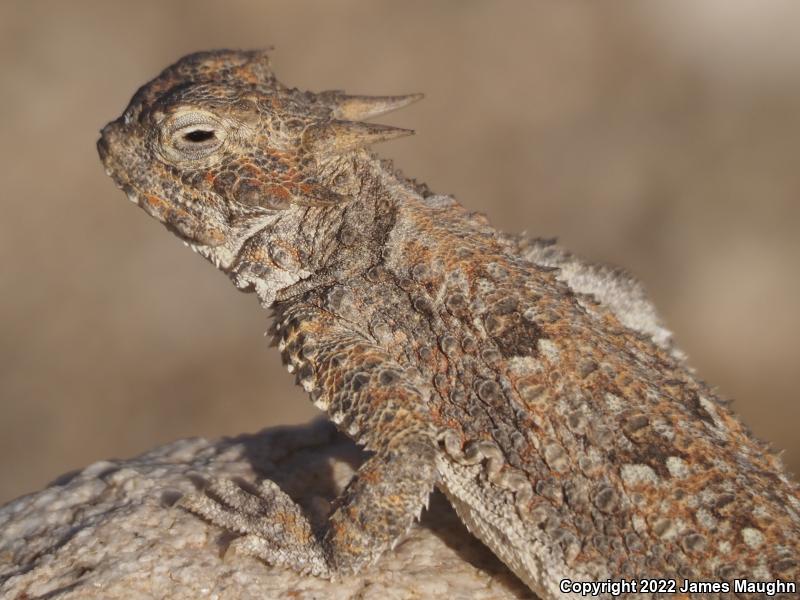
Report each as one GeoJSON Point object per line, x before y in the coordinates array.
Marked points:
{"type": "Point", "coordinates": [539, 392]}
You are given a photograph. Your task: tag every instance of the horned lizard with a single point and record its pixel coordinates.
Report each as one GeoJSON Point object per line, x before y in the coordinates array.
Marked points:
{"type": "Point", "coordinates": [539, 392]}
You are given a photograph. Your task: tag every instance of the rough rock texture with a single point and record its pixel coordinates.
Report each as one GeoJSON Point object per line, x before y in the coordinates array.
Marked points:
{"type": "Point", "coordinates": [111, 530]}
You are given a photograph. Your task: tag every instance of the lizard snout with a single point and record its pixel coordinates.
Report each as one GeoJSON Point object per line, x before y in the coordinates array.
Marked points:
{"type": "Point", "coordinates": [107, 136]}
{"type": "Point", "coordinates": [108, 148]}
{"type": "Point", "coordinates": [102, 147]}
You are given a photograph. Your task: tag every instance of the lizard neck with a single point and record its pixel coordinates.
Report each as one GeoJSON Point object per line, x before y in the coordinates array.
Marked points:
{"type": "Point", "coordinates": [308, 247]}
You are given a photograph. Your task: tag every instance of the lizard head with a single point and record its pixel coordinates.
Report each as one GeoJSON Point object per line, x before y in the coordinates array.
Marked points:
{"type": "Point", "coordinates": [216, 148]}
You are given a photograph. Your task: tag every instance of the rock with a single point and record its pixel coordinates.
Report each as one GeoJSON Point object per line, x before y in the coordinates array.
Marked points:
{"type": "Point", "coordinates": [111, 530]}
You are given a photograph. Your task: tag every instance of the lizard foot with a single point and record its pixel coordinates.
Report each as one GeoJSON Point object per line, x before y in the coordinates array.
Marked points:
{"type": "Point", "coordinates": [273, 527]}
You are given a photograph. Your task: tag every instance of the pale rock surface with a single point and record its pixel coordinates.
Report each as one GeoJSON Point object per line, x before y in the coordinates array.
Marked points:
{"type": "Point", "coordinates": [112, 530]}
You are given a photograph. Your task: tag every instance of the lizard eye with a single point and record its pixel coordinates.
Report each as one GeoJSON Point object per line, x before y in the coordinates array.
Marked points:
{"type": "Point", "coordinates": [196, 141]}
{"type": "Point", "coordinates": [199, 135]}
{"type": "Point", "coordinates": [192, 136]}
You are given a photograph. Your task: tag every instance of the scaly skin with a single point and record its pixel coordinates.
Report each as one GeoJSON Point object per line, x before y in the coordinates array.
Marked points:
{"type": "Point", "coordinates": [540, 393]}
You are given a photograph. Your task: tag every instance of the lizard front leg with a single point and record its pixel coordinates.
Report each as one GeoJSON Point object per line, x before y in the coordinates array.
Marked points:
{"type": "Point", "coordinates": [361, 387]}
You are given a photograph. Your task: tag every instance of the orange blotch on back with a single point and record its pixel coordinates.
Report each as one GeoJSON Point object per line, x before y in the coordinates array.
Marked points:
{"type": "Point", "coordinates": [278, 191]}
{"type": "Point", "coordinates": [155, 201]}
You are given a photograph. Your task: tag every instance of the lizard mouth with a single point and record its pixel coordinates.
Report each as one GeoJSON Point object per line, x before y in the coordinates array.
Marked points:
{"type": "Point", "coordinates": [112, 167]}
{"type": "Point", "coordinates": [119, 174]}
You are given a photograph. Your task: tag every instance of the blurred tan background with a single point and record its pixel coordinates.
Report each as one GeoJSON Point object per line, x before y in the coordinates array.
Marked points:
{"type": "Point", "coordinates": [663, 137]}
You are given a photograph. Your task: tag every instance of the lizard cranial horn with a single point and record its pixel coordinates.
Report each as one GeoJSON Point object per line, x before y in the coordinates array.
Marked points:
{"type": "Point", "coordinates": [356, 108]}
{"type": "Point", "coordinates": [337, 137]}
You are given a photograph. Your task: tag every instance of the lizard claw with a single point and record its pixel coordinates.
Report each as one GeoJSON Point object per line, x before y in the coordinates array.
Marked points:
{"type": "Point", "coordinates": [273, 527]}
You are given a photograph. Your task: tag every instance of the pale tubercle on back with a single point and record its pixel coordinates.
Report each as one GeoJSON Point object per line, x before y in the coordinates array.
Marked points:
{"type": "Point", "coordinates": [612, 287]}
